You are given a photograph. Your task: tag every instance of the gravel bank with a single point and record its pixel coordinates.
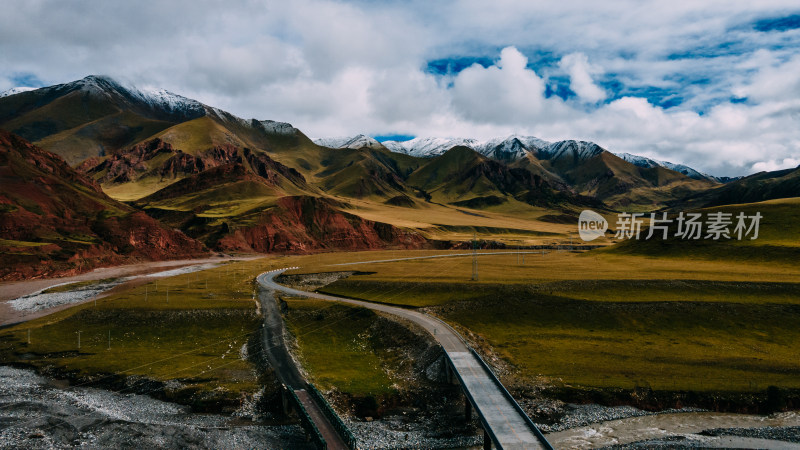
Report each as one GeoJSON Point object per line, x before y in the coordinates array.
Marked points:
{"type": "Point", "coordinates": [787, 434]}
{"type": "Point", "coordinates": [397, 432]}
{"type": "Point", "coordinates": [40, 300]}
{"type": "Point", "coordinates": [698, 441]}
{"type": "Point", "coordinates": [581, 415]}
{"type": "Point", "coordinates": [36, 413]}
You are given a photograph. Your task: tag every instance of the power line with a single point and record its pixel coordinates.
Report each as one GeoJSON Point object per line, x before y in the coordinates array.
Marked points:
{"type": "Point", "coordinates": [474, 257]}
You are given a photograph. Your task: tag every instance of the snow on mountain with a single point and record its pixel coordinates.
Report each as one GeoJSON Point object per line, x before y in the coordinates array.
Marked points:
{"type": "Point", "coordinates": [427, 147]}
{"type": "Point", "coordinates": [16, 90]}
{"type": "Point", "coordinates": [156, 99]}
{"type": "Point", "coordinates": [515, 147]}
{"type": "Point", "coordinates": [273, 127]}
{"type": "Point", "coordinates": [395, 146]}
{"type": "Point", "coordinates": [359, 141]}
{"type": "Point", "coordinates": [164, 101]}
{"type": "Point", "coordinates": [510, 148]}
{"type": "Point", "coordinates": [578, 149]}
{"type": "Point", "coordinates": [642, 161]}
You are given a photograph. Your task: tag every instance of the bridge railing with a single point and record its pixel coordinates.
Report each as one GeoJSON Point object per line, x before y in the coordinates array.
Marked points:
{"type": "Point", "coordinates": [333, 418]}
{"type": "Point", "coordinates": [306, 422]}
{"type": "Point", "coordinates": [506, 394]}
{"type": "Point", "coordinates": [471, 399]}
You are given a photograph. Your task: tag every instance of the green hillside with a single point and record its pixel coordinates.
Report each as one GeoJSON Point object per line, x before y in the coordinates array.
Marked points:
{"type": "Point", "coordinates": [778, 239]}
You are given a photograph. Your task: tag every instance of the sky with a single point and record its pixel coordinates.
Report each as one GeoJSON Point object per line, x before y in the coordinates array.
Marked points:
{"type": "Point", "coordinates": [711, 84]}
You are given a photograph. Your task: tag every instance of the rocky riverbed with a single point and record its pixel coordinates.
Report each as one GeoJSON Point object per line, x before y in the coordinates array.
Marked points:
{"type": "Point", "coordinates": [38, 413]}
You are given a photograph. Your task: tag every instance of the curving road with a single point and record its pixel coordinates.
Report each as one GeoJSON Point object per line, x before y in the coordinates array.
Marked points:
{"type": "Point", "coordinates": [511, 429]}
{"type": "Point", "coordinates": [277, 355]}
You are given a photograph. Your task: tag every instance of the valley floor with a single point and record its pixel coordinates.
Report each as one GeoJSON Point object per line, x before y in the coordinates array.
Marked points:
{"type": "Point", "coordinates": [559, 327]}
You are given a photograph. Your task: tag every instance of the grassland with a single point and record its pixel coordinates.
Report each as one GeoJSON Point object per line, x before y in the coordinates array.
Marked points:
{"type": "Point", "coordinates": [600, 319]}
{"type": "Point", "coordinates": [333, 343]}
{"type": "Point", "coordinates": [513, 223]}
{"type": "Point", "coordinates": [190, 328]}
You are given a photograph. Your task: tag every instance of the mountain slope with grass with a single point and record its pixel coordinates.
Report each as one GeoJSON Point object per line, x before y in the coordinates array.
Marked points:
{"type": "Point", "coordinates": [93, 116]}
{"type": "Point", "coordinates": [754, 188]}
{"type": "Point", "coordinates": [463, 177]}
{"type": "Point", "coordinates": [55, 220]}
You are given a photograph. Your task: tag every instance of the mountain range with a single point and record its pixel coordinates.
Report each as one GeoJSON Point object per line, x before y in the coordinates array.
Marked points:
{"type": "Point", "coordinates": [511, 148]}
{"type": "Point", "coordinates": [232, 184]}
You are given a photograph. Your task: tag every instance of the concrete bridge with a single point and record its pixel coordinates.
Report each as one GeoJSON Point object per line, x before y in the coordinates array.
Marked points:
{"type": "Point", "coordinates": [505, 424]}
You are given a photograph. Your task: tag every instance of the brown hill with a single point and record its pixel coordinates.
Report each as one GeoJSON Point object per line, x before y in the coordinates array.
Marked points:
{"type": "Point", "coordinates": [55, 220]}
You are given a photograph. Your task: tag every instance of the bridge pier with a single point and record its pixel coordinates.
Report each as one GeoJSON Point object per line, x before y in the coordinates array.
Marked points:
{"type": "Point", "coordinates": [487, 441]}
{"type": "Point", "coordinates": [467, 409]}
{"type": "Point", "coordinates": [449, 374]}
{"type": "Point", "coordinates": [286, 405]}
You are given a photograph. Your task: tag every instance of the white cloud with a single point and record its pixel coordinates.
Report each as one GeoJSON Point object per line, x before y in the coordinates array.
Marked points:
{"type": "Point", "coordinates": [775, 81]}
{"type": "Point", "coordinates": [580, 77]}
{"type": "Point", "coordinates": [339, 68]}
{"type": "Point", "coordinates": [507, 92]}
{"type": "Point", "coordinates": [787, 163]}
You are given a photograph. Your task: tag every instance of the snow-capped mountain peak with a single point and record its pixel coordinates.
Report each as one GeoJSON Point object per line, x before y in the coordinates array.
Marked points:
{"type": "Point", "coordinates": [16, 90]}
{"type": "Point", "coordinates": [164, 102]}
{"type": "Point", "coordinates": [510, 148]}
{"type": "Point", "coordinates": [159, 100]}
{"type": "Point", "coordinates": [578, 149]}
{"type": "Point", "coordinates": [428, 146]}
{"type": "Point", "coordinates": [358, 141]}
{"type": "Point", "coordinates": [273, 127]}
{"type": "Point", "coordinates": [643, 161]}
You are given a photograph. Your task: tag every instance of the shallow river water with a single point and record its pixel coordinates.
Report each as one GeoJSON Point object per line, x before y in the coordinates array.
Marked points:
{"type": "Point", "coordinates": [678, 429]}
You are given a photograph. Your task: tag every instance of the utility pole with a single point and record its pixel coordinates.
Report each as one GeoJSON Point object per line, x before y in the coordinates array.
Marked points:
{"type": "Point", "coordinates": [474, 257]}
{"type": "Point", "coordinates": [29, 336]}
{"type": "Point", "coordinates": [79, 340]}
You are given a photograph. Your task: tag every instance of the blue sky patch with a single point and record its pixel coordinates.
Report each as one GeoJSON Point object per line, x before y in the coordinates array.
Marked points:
{"type": "Point", "coordinates": [26, 79]}
{"type": "Point", "coordinates": [728, 48]}
{"type": "Point", "coordinates": [662, 97]}
{"type": "Point", "coordinates": [778, 23]}
{"type": "Point", "coordinates": [558, 86]}
{"type": "Point", "coordinates": [393, 137]}
{"type": "Point", "coordinates": [452, 66]}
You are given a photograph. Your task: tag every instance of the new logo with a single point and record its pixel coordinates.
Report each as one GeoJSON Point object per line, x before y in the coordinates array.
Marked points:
{"type": "Point", "coordinates": [591, 225]}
